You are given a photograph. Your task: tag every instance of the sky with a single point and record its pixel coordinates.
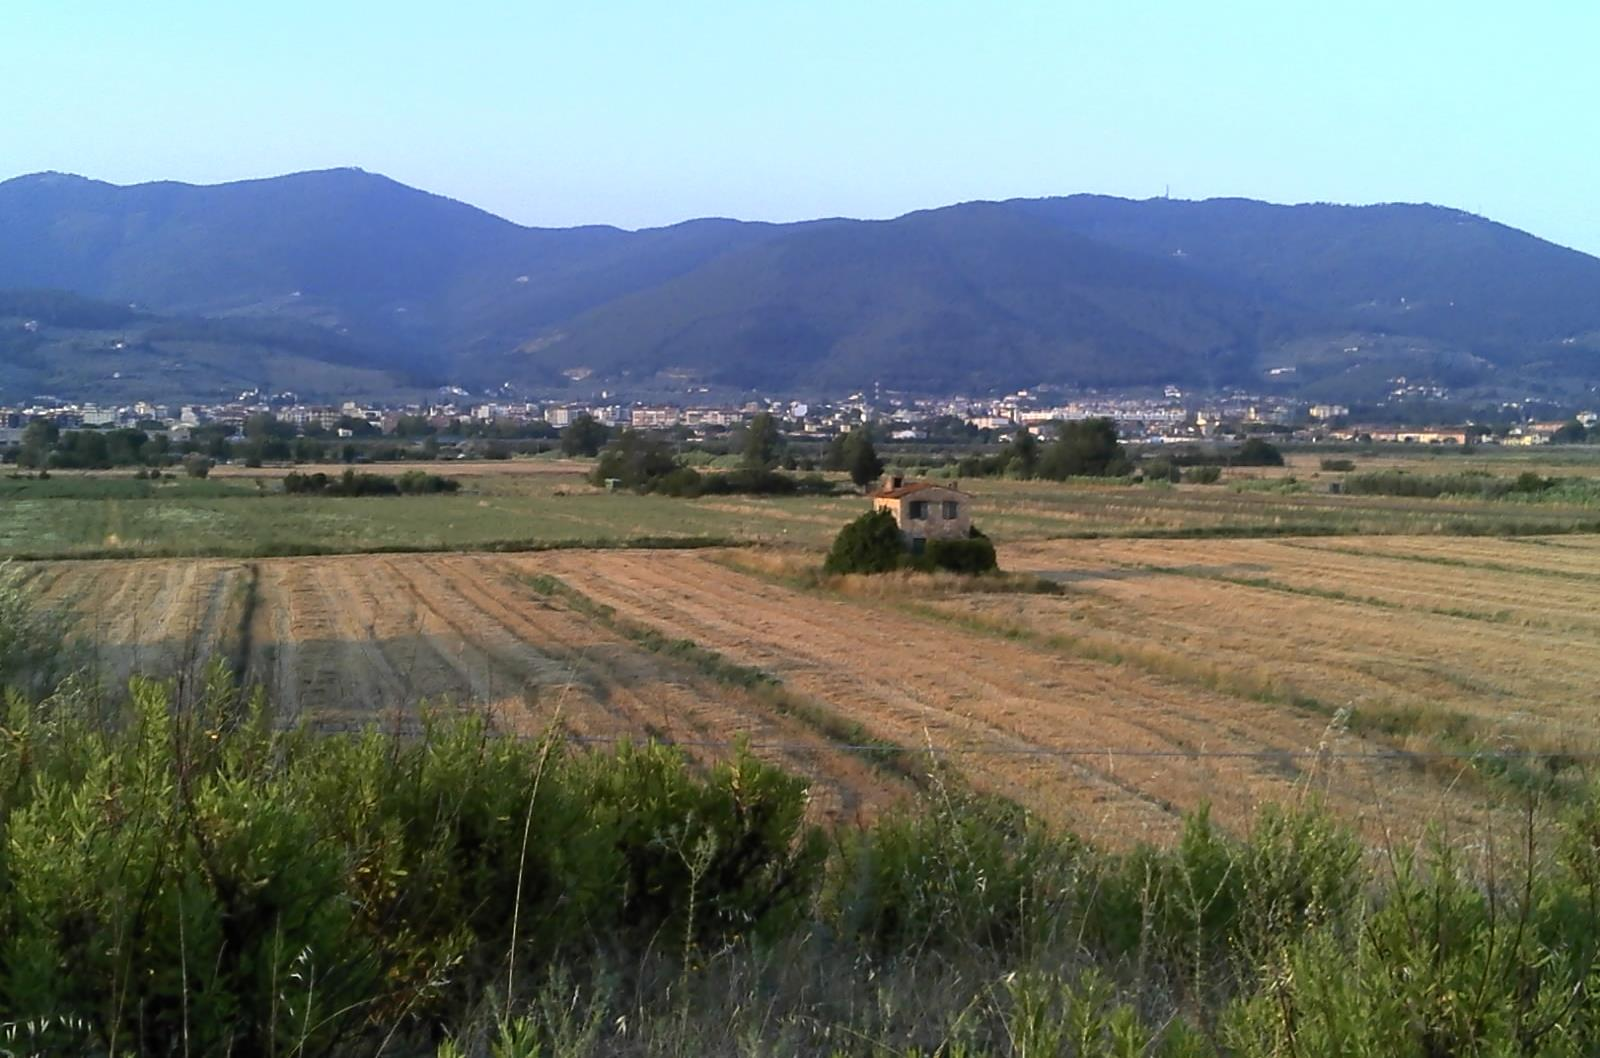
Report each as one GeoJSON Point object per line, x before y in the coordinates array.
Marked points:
{"type": "Point", "coordinates": [642, 114]}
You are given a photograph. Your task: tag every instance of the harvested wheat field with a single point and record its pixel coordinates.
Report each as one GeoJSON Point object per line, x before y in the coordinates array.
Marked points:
{"type": "Point", "coordinates": [1498, 637]}
{"type": "Point", "coordinates": [156, 617]}
{"type": "Point", "coordinates": [1169, 674]}
{"type": "Point", "coordinates": [1112, 751]}
{"type": "Point", "coordinates": [347, 642]}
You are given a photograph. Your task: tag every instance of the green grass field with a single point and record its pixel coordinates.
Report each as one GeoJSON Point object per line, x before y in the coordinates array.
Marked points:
{"type": "Point", "coordinates": [534, 504]}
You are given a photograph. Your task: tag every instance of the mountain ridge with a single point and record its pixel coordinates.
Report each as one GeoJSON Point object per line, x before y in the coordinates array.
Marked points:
{"type": "Point", "coordinates": [1084, 289]}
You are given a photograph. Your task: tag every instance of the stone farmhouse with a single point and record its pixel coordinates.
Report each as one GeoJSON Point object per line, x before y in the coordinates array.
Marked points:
{"type": "Point", "coordinates": [924, 511]}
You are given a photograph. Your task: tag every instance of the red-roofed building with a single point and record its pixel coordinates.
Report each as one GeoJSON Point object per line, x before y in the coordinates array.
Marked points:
{"type": "Point", "coordinates": [925, 511]}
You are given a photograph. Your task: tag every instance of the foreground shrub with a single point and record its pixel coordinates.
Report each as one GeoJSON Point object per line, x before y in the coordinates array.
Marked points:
{"type": "Point", "coordinates": [35, 642]}
{"type": "Point", "coordinates": [870, 544]}
{"type": "Point", "coordinates": [186, 875]}
{"type": "Point", "coordinates": [973, 555]}
{"type": "Point", "coordinates": [195, 873]}
{"type": "Point", "coordinates": [957, 870]}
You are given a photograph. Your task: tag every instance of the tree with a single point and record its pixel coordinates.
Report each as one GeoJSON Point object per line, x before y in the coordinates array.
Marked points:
{"type": "Point", "coordinates": [860, 458]}
{"type": "Point", "coordinates": [197, 466]}
{"type": "Point", "coordinates": [584, 436]}
{"type": "Point", "coordinates": [306, 450]}
{"type": "Point", "coordinates": [763, 443]}
{"type": "Point", "coordinates": [1571, 432]}
{"type": "Point", "coordinates": [870, 544]}
{"type": "Point", "coordinates": [1084, 448]}
{"type": "Point", "coordinates": [414, 426]}
{"type": "Point", "coordinates": [38, 438]}
{"type": "Point", "coordinates": [635, 460]}
{"type": "Point", "coordinates": [1256, 452]}
{"type": "Point", "coordinates": [1025, 452]}
{"type": "Point", "coordinates": [264, 426]}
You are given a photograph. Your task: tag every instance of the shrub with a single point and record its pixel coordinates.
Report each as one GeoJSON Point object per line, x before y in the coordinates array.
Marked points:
{"type": "Point", "coordinates": [197, 466]}
{"type": "Point", "coordinates": [972, 555]}
{"type": "Point", "coordinates": [1427, 486]}
{"type": "Point", "coordinates": [955, 870]}
{"type": "Point", "coordinates": [36, 646]}
{"type": "Point", "coordinates": [1338, 464]}
{"type": "Point", "coordinates": [350, 483]}
{"type": "Point", "coordinates": [203, 874]}
{"type": "Point", "coordinates": [1161, 469]}
{"type": "Point", "coordinates": [1257, 452]}
{"type": "Point", "coordinates": [870, 544]}
{"type": "Point", "coordinates": [420, 483]}
{"type": "Point", "coordinates": [1203, 475]}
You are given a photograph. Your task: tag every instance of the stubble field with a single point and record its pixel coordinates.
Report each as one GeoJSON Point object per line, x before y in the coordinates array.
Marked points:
{"type": "Point", "coordinates": [1168, 674]}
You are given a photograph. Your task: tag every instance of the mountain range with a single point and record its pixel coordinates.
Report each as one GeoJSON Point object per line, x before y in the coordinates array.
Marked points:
{"type": "Point", "coordinates": [346, 283]}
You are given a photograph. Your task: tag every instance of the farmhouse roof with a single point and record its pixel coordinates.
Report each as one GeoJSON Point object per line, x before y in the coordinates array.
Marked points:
{"type": "Point", "coordinates": [915, 486]}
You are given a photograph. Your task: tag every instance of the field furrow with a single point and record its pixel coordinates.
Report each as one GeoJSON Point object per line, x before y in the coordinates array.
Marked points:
{"type": "Point", "coordinates": [1008, 713]}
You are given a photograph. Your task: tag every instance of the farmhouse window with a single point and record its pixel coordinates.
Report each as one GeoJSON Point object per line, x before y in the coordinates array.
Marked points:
{"type": "Point", "coordinates": [919, 509]}
{"type": "Point", "coordinates": [918, 545]}
{"type": "Point", "coordinates": [951, 510]}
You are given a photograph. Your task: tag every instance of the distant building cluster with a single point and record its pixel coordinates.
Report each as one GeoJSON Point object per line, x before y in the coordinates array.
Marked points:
{"type": "Point", "coordinates": [1173, 416]}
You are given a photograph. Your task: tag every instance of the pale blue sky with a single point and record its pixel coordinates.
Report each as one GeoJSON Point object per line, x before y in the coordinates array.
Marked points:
{"type": "Point", "coordinates": [647, 113]}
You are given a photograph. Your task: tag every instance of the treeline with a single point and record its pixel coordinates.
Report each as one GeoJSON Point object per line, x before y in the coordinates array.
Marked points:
{"type": "Point", "coordinates": [647, 463]}
{"type": "Point", "coordinates": [350, 483]}
{"type": "Point", "coordinates": [1082, 448]}
{"type": "Point", "coordinates": [1090, 448]}
{"type": "Point", "coordinates": [45, 446]}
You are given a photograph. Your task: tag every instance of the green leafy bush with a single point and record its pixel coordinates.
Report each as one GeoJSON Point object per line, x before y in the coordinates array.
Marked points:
{"type": "Point", "coordinates": [1258, 452]}
{"type": "Point", "coordinates": [36, 644]}
{"type": "Point", "coordinates": [870, 544]}
{"type": "Point", "coordinates": [952, 871]}
{"type": "Point", "coordinates": [972, 555]}
{"type": "Point", "coordinates": [1161, 469]}
{"type": "Point", "coordinates": [350, 483]}
{"type": "Point", "coordinates": [200, 873]}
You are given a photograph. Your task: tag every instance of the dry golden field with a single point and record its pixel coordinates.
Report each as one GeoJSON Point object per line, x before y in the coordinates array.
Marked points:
{"type": "Point", "coordinates": [1167, 674]}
